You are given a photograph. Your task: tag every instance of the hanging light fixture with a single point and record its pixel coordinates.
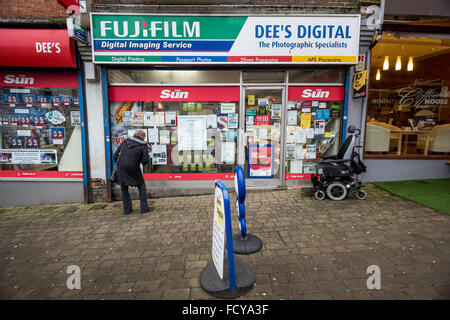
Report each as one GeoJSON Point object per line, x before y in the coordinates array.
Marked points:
{"type": "Point", "coordinates": [386, 63]}
{"type": "Point", "coordinates": [378, 76]}
{"type": "Point", "coordinates": [410, 64]}
{"type": "Point", "coordinates": [398, 64]}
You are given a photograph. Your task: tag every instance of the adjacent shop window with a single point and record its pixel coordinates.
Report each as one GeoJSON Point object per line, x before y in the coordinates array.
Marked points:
{"type": "Point", "coordinates": [173, 76]}
{"type": "Point", "coordinates": [314, 125]}
{"type": "Point", "coordinates": [40, 122]}
{"type": "Point", "coordinates": [191, 129]}
{"type": "Point", "coordinates": [408, 112]}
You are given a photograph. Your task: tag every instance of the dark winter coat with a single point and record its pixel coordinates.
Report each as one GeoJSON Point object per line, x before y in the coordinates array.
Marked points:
{"type": "Point", "coordinates": [134, 152]}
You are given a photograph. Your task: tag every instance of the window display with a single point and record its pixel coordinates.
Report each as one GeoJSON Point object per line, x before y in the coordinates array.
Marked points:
{"type": "Point", "coordinates": [38, 123]}
{"type": "Point", "coordinates": [314, 121]}
{"type": "Point", "coordinates": [408, 110]}
{"type": "Point", "coordinates": [190, 131]}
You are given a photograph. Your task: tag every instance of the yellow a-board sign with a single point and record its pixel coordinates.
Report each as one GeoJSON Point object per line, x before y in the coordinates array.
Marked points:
{"type": "Point", "coordinates": [360, 84]}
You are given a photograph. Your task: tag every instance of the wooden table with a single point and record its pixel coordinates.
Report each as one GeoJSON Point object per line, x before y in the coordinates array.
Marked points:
{"type": "Point", "coordinates": [407, 133]}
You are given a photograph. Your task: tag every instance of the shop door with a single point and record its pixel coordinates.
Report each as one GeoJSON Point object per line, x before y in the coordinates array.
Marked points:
{"type": "Point", "coordinates": [261, 149]}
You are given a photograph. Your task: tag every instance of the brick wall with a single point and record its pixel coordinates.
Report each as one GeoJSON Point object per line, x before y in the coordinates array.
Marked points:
{"type": "Point", "coordinates": [31, 9]}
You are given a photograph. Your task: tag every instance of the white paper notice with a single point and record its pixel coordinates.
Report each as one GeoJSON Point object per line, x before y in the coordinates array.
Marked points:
{"type": "Point", "coordinates": [310, 151]}
{"type": "Point", "coordinates": [299, 151]}
{"type": "Point", "coordinates": [159, 154]}
{"type": "Point", "coordinates": [290, 134]}
{"type": "Point", "coordinates": [153, 135]}
{"type": "Point", "coordinates": [228, 152]}
{"type": "Point", "coordinates": [300, 135]}
{"type": "Point", "coordinates": [292, 118]}
{"type": "Point", "coordinates": [296, 166]}
{"type": "Point", "coordinates": [211, 121]}
{"type": "Point", "coordinates": [149, 119]}
{"type": "Point", "coordinates": [192, 134]}
{"type": "Point", "coordinates": [310, 133]}
{"type": "Point", "coordinates": [160, 119]}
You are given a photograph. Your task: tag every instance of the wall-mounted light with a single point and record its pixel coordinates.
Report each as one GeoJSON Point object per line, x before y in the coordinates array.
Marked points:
{"type": "Point", "coordinates": [386, 63]}
{"type": "Point", "coordinates": [378, 76]}
{"type": "Point", "coordinates": [398, 64]}
{"type": "Point", "coordinates": [410, 64]}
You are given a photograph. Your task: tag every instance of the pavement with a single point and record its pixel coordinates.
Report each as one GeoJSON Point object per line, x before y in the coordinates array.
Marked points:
{"type": "Point", "coordinates": [312, 249]}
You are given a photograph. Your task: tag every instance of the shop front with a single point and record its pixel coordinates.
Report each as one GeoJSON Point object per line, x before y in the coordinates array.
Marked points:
{"type": "Point", "coordinates": [266, 93]}
{"type": "Point", "coordinates": [41, 118]}
{"type": "Point", "coordinates": [407, 122]}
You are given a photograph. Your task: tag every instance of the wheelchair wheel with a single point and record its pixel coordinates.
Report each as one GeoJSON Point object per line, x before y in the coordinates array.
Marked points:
{"type": "Point", "coordinates": [336, 191]}
{"type": "Point", "coordinates": [319, 195]}
{"type": "Point", "coordinates": [361, 194]}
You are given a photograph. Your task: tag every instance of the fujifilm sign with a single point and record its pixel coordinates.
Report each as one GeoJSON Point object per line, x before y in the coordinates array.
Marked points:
{"type": "Point", "coordinates": [153, 29]}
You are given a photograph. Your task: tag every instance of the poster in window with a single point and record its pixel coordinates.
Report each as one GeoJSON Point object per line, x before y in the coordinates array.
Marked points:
{"type": "Point", "coordinates": [310, 151]}
{"type": "Point", "coordinates": [159, 154]}
{"type": "Point", "coordinates": [319, 126]}
{"type": "Point", "coordinates": [138, 119]}
{"type": "Point", "coordinates": [249, 121]}
{"type": "Point", "coordinates": [292, 117]}
{"type": "Point", "coordinates": [28, 156]}
{"type": "Point", "coordinates": [192, 132]}
{"type": "Point", "coordinates": [260, 162]}
{"type": "Point", "coordinates": [127, 117]}
{"type": "Point", "coordinates": [153, 135]}
{"type": "Point", "coordinates": [276, 111]}
{"type": "Point", "coordinates": [227, 152]}
{"type": "Point", "coordinates": [211, 121]}
{"type": "Point", "coordinates": [164, 136]}
{"type": "Point", "coordinates": [251, 100]}
{"type": "Point", "coordinates": [290, 134]}
{"type": "Point", "coordinates": [222, 123]}
{"type": "Point", "coordinates": [149, 119]}
{"type": "Point", "coordinates": [171, 118]}
{"type": "Point", "coordinates": [305, 120]}
{"type": "Point", "coordinates": [300, 135]}
{"type": "Point", "coordinates": [233, 120]}
{"type": "Point", "coordinates": [290, 151]}
{"type": "Point", "coordinates": [160, 119]}
{"type": "Point", "coordinates": [58, 135]}
{"type": "Point", "coordinates": [227, 108]}
{"type": "Point", "coordinates": [75, 118]}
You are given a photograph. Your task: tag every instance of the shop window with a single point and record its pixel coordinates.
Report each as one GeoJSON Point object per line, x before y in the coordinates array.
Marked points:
{"type": "Point", "coordinates": [263, 77]}
{"type": "Point", "coordinates": [314, 125]}
{"type": "Point", "coordinates": [317, 76]}
{"type": "Point", "coordinates": [192, 130]}
{"type": "Point", "coordinates": [408, 111]}
{"type": "Point", "coordinates": [40, 122]}
{"type": "Point", "coordinates": [173, 76]}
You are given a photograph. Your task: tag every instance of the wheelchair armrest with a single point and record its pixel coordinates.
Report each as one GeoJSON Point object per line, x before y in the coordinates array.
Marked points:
{"type": "Point", "coordinates": [337, 160]}
{"type": "Point", "coordinates": [329, 157]}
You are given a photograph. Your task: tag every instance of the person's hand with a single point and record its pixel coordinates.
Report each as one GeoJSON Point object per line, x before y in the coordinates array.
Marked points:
{"type": "Point", "coordinates": [149, 147]}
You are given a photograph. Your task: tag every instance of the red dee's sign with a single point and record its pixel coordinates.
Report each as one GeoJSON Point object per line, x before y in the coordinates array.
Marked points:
{"type": "Point", "coordinates": [317, 93]}
{"type": "Point", "coordinates": [36, 48]}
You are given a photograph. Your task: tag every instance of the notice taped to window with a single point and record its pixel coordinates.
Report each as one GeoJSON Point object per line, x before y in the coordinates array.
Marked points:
{"type": "Point", "coordinates": [192, 134]}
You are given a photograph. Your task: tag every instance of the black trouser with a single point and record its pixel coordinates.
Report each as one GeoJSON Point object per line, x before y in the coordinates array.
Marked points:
{"type": "Point", "coordinates": [126, 199]}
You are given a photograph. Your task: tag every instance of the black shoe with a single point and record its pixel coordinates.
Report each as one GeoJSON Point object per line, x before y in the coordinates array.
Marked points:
{"type": "Point", "coordinates": [127, 213]}
{"type": "Point", "coordinates": [147, 210]}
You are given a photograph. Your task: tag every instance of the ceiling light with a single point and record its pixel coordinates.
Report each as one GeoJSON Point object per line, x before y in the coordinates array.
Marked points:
{"type": "Point", "coordinates": [410, 64]}
{"type": "Point", "coordinates": [398, 64]}
{"type": "Point", "coordinates": [386, 63]}
{"type": "Point", "coordinates": [378, 76]}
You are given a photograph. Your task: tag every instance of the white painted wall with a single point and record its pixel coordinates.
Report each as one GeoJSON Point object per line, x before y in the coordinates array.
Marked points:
{"type": "Point", "coordinates": [96, 128]}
